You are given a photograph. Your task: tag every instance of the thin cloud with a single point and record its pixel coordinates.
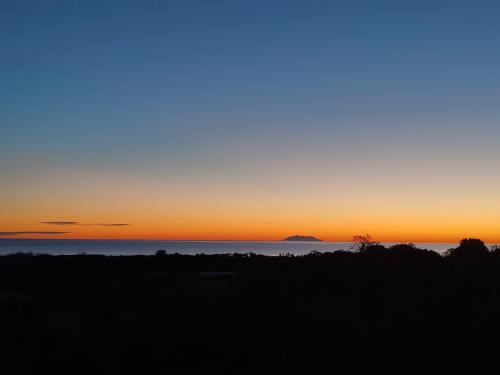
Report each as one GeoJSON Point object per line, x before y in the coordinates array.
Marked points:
{"type": "Point", "coordinates": [29, 232]}
{"type": "Point", "coordinates": [85, 224]}
{"type": "Point", "coordinates": [107, 224]}
{"type": "Point", "coordinates": [60, 222]}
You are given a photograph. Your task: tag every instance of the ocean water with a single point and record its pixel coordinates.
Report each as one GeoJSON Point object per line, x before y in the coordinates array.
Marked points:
{"type": "Point", "coordinates": [146, 247]}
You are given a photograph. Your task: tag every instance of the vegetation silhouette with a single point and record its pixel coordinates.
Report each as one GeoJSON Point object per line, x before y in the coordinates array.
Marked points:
{"type": "Point", "coordinates": [469, 247]}
{"type": "Point", "coordinates": [377, 310]}
{"type": "Point", "coordinates": [362, 243]}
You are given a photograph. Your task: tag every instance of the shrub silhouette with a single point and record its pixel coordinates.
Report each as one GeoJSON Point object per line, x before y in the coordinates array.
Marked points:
{"type": "Point", "coordinates": [376, 248]}
{"type": "Point", "coordinates": [407, 249]}
{"type": "Point", "coordinates": [469, 247]}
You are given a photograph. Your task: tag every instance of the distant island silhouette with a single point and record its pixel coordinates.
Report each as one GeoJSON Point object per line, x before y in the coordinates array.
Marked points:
{"type": "Point", "coordinates": [302, 238]}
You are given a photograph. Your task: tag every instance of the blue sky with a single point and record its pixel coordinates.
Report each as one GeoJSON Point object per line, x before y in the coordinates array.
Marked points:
{"type": "Point", "coordinates": [80, 67]}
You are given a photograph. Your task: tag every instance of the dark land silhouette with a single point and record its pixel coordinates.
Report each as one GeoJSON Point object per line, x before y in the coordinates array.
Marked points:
{"type": "Point", "coordinates": [302, 238]}
{"type": "Point", "coordinates": [375, 311]}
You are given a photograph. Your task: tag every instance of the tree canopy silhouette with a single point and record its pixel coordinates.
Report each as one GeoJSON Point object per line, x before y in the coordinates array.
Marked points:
{"type": "Point", "coordinates": [469, 247]}
{"type": "Point", "coordinates": [365, 243]}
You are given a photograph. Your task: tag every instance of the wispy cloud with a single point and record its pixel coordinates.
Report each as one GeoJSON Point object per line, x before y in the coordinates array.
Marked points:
{"type": "Point", "coordinates": [60, 222]}
{"type": "Point", "coordinates": [85, 224]}
{"type": "Point", "coordinates": [29, 232]}
{"type": "Point", "coordinates": [108, 224]}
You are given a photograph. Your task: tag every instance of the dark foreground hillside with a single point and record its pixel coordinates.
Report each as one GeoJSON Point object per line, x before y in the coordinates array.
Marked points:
{"type": "Point", "coordinates": [367, 313]}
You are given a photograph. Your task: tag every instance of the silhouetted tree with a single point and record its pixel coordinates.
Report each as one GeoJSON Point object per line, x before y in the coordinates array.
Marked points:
{"type": "Point", "coordinates": [362, 243]}
{"type": "Point", "coordinates": [469, 247]}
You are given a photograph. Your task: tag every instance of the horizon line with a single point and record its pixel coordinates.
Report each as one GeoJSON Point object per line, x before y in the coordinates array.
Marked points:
{"type": "Point", "coordinates": [232, 240]}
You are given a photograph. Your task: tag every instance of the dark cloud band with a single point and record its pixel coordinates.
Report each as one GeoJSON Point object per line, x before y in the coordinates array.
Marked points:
{"type": "Point", "coordinates": [60, 222]}
{"type": "Point", "coordinates": [85, 224]}
{"type": "Point", "coordinates": [29, 232]}
{"type": "Point", "coordinates": [107, 225]}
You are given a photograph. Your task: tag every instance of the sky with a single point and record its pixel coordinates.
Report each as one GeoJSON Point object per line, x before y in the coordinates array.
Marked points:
{"type": "Point", "coordinates": [250, 120]}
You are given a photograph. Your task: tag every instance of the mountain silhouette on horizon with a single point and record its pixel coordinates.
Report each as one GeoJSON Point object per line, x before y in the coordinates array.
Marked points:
{"type": "Point", "coordinates": [302, 238]}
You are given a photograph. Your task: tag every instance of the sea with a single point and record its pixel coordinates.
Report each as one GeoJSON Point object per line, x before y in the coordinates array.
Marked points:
{"type": "Point", "coordinates": [149, 247]}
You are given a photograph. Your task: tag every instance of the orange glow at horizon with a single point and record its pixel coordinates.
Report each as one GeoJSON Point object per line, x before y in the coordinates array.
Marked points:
{"type": "Point", "coordinates": [270, 208]}
{"type": "Point", "coordinates": [250, 229]}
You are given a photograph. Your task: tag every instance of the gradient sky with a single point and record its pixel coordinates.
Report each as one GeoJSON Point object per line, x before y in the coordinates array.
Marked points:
{"type": "Point", "coordinates": [250, 119]}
